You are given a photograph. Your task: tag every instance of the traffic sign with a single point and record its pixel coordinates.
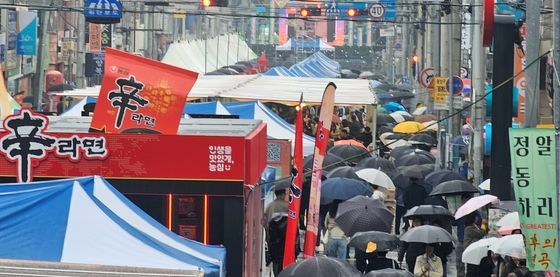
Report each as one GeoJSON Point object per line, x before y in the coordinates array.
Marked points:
{"type": "Point", "coordinates": [457, 85]}
{"type": "Point", "coordinates": [426, 77]}
{"type": "Point", "coordinates": [377, 11]}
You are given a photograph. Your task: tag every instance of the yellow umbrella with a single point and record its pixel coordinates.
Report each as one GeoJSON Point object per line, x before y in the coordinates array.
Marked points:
{"type": "Point", "coordinates": [408, 127]}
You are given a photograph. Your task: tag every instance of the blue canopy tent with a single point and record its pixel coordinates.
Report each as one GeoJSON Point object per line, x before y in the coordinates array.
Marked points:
{"type": "Point", "coordinates": [93, 224]}
{"type": "Point", "coordinates": [276, 128]}
{"type": "Point", "coordinates": [78, 108]}
{"type": "Point", "coordinates": [317, 65]}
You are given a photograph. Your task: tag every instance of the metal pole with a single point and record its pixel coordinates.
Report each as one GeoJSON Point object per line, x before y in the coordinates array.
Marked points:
{"type": "Point", "coordinates": [39, 80]}
{"type": "Point", "coordinates": [478, 72]}
{"type": "Point", "coordinates": [80, 55]}
{"type": "Point", "coordinates": [533, 41]}
{"type": "Point", "coordinates": [450, 46]}
{"type": "Point", "coordinates": [217, 49]}
{"type": "Point", "coordinates": [556, 61]}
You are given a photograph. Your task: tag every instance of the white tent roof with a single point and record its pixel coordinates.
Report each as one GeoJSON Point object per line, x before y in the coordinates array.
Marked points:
{"type": "Point", "coordinates": [271, 88]}
{"type": "Point", "coordinates": [219, 51]}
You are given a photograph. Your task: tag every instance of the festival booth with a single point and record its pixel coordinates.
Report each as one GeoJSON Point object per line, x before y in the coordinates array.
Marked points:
{"type": "Point", "coordinates": [199, 183]}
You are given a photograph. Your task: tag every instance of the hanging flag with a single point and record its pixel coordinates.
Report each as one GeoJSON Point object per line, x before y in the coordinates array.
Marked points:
{"type": "Point", "coordinates": [533, 169]}
{"type": "Point", "coordinates": [321, 140]}
{"type": "Point", "coordinates": [26, 33]}
{"type": "Point", "coordinates": [295, 191]}
{"type": "Point", "coordinates": [140, 95]}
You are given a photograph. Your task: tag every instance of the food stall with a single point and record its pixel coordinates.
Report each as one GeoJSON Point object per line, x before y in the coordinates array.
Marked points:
{"type": "Point", "coordinates": [199, 183]}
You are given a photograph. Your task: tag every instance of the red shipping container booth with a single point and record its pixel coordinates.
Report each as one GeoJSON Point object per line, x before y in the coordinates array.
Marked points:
{"type": "Point", "coordinates": [199, 183]}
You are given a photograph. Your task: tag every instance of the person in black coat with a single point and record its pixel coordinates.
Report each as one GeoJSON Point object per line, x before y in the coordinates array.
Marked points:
{"type": "Point", "coordinates": [366, 262]}
{"type": "Point", "coordinates": [490, 265]}
{"type": "Point", "coordinates": [414, 194]}
{"type": "Point", "coordinates": [412, 249]}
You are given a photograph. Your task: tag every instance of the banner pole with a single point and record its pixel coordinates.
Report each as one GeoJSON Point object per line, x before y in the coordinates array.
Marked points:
{"type": "Point", "coordinates": [556, 82]}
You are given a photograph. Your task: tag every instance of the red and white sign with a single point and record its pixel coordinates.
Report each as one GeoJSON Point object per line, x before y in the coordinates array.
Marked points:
{"type": "Point", "coordinates": [377, 11]}
{"type": "Point", "coordinates": [426, 77]}
{"type": "Point", "coordinates": [128, 156]}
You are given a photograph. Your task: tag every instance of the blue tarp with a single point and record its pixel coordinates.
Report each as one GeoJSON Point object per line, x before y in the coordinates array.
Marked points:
{"type": "Point", "coordinates": [215, 107]}
{"type": "Point", "coordinates": [86, 220]}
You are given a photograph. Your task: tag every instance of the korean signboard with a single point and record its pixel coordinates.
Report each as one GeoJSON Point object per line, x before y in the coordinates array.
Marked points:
{"type": "Point", "coordinates": [140, 95]}
{"type": "Point", "coordinates": [533, 161]}
{"type": "Point", "coordinates": [440, 94]}
{"type": "Point", "coordinates": [94, 64]}
{"type": "Point", "coordinates": [103, 11]}
{"type": "Point", "coordinates": [11, 58]}
{"type": "Point", "coordinates": [26, 33]}
{"type": "Point", "coordinates": [94, 37]}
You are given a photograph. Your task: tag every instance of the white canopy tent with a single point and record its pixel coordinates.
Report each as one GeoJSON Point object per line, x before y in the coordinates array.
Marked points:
{"type": "Point", "coordinates": [270, 88]}
{"type": "Point", "coordinates": [208, 55]}
{"type": "Point", "coordinates": [318, 44]}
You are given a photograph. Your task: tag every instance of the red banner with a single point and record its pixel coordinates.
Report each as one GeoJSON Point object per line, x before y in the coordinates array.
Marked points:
{"type": "Point", "coordinates": [295, 193]}
{"type": "Point", "coordinates": [140, 95]}
{"type": "Point", "coordinates": [321, 140]}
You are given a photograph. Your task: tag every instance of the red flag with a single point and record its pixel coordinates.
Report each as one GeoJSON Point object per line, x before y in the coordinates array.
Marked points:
{"type": "Point", "coordinates": [140, 95]}
{"type": "Point", "coordinates": [295, 192]}
{"type": "Point", "coordinates": [321, 140]}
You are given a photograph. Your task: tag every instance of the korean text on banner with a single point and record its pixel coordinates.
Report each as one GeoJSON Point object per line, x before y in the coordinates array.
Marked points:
{"type": "Point", "coordinates": [26, 33]}
{"type": "Point", "coordinates": [321, 140]}
{"type": "Point", "coordinates": [533, 159]}
{"type": "Point", "coordinates": [95, 37]}
{"type": "Point", "coordinates": [295, 193]}
{"type": "Point", "coordinates": [140, 95]}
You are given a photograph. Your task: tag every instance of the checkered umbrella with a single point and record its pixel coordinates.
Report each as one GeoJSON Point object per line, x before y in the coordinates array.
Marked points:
{"type": "Point", "coordinates": [320, 267]}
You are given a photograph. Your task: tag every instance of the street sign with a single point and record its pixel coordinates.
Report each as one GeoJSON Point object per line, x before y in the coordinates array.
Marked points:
{"type": "Point", "coordinates": [332, 10]}
{"type": "Point", "coordinates": [377, 11]}
{"type": "Point", "coordinates": [398, 46]}
{"type": "Point", "coordinates": [439, 94]}
{"type": "Point", "coordinates": [426, 77]}
{"type": "Point", "coordinates": [464, 73]}
{"type": "Point", "coordinates": [457, 85]}
{"type": "Point", "coordinates": [103, 11]}
{"type": "Point", "coordinates": [387, 32]}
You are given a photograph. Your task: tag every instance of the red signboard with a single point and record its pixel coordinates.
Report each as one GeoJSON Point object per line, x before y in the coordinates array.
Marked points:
{"type": "Point", "coordinates": [130, 156]}
{"type": "Point", "coordinates": [140, 95]}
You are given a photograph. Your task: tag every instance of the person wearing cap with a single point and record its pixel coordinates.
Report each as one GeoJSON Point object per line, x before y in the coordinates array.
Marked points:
{"type": "Point", "coordinates": [428, 264]}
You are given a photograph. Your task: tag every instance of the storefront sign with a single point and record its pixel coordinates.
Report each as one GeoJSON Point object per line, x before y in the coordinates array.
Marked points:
{"type": "Point", "coordinates": [26, 33]}
{"type": "Point", "coordinates": [106, 36]}
{"type": "Point", "coordinates": [26, 143]}
{"type": "Point", "coordinates": [533, 160]}
{"type": "Point", "coordinates": [440, 94]}
{"type": "Point", "coordinates": [103, 12]}
{"type": "Point", "coordinates": [94, 64]}
{"type": "Point", "coordinates": [94, 37]}
{"type": "Point", "coordinates": [140, 95]}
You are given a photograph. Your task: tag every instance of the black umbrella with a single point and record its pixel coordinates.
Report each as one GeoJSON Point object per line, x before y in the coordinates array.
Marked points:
{"type": "Point", "coordinates": [330, 162]}
{"type": "Point", "coordinates": [428, 212]}
{"type": "Point", "coordinates": [362, 214]}
{"type": "Point", "coordinates": [385, 129]}
{"type": "Point", "coordinates": [345, 172]}
{"type": "Point", "coordinates": [338, 188]}
{"type": "Point", "coordinates": [384, 119]}
{"type": "Point", "coordinates": [320, 267]}
{"type": "Point", "coordinates": [414, 159]}
{"type": "Point", "coordinates": [437, 177]}
{"type": "Point", "coordinates": [416, 171]}
{"type": "Point", "coordinates": [401, 151]}
{"type": "Point", "coordinates": [426, 234]}
{"type": "Point", "coordinates": [351, 153]}
{"type": "Point", "coordinates": [454, 187]}
{"type": "Point", "coordinates": [389, 272]}
{"type": "Point", "coordinates": [378, 163]}
{"type": "Point", "coordinates": [374, 241]}
{"type": "Point", "coordinates": [61, 87]}
{"type": "Point", "coordinates": [422, 139]}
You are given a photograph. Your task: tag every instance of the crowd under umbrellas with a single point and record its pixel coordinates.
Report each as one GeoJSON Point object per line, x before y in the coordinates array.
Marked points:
{"type": "Point", "coordinates": [395, 199]}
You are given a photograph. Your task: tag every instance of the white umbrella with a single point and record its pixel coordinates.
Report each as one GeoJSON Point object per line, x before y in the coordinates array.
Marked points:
{"type": "Point", "coordinates": [511, 245]}
{"type": "Point", "coordinates": [477, 250]}
{"type": "Point", "coordinates": [431, 125]}
{"type": "Point", "coordinates": [376, 177]}
{"type": "Point", "coordinates": [397, 117]}
{"type": "Point", "coordinates": [420, 111]}
{"type": "Point", "coordinates": [403, 113]}
{"type": "Point", "coordinates": [485, 185]}
{"type": "Point", "coordinates": [509, 220]}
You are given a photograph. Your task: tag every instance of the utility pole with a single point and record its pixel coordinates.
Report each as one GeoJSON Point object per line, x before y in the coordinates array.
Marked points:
{"type": "Point", "coordinates": [556, 63]}
{"type": "Point", "coordinates": [80, 57]}
{"type": "Point", "coordinates": [533, 41]}
{"type": "Point", "coordinates": [478, 73]}
{"type": "Point", "coordinates": [39, 80]}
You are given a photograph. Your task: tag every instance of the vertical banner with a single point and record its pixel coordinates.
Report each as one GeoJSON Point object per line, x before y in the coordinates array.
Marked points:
{"type": "Point", "coordinates": [94, 37]}
{"type": "Point", "coordinates": [26, 33]}
{"type": "Point", "coordinates": [106, 36]}
{"type": "Point", "coordinates": [11, 57]}
{"type": "Point", "coordinates": [519, 85]}
{"type": "Point", "coordinates": [140, 95]}
{"type": "Point", "coordinates": [321, 140]}
{"type": "Point", "coordinates": [369, 34]}
{"type": "Point", "coordinates": [282, 27]}
{"type": "Point", "coordinates": [350, 33]}
{"type": "Point", "coordinates": [533, 161]}
{"type": "Point", "coordinates": [295, 191]}
{"type": "Point", "coordinates": [339, 33]}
